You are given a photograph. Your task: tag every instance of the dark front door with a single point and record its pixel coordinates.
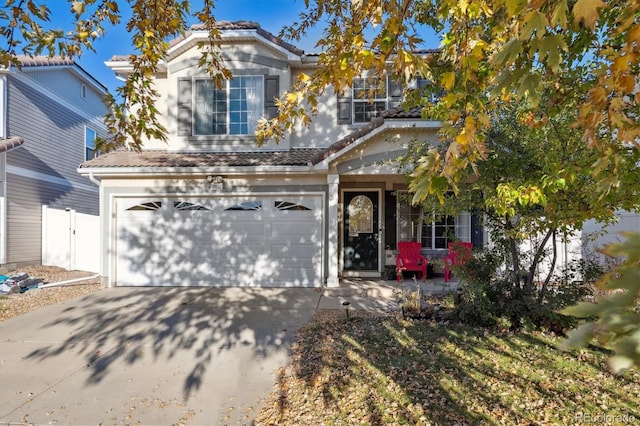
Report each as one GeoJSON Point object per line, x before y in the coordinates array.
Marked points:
{"type": "Point", "coordinates": [360, 229]}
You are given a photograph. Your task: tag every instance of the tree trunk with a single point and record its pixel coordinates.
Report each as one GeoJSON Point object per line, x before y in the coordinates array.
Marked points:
{"type": "Point", "coordinates": [551, 269]}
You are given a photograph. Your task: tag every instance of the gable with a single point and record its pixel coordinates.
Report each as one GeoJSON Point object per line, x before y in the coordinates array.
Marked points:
{"type": "Point", "coordinates": [377, 152]}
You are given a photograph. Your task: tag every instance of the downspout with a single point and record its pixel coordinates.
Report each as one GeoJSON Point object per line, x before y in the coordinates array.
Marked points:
{"type": "Point", "coordinates": [68, 282]}
{"type": "Point", "coordinates": [3, 175]}
{"type": "Point", "coordinates": [93, 179]}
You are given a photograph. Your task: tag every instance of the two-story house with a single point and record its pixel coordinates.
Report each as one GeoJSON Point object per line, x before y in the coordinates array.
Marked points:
{"type": "Point", "coordinates": [56, 108]}
{"type": "Point", "coordinates": [210, 207]}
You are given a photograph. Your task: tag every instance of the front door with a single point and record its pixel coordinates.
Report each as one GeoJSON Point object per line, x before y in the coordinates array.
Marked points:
{"type": "Point", "coordinates": [361, 231]}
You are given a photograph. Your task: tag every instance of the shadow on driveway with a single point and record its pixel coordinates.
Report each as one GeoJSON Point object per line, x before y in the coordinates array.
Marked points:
{"type": "Point", "coordinates": [204, 355]}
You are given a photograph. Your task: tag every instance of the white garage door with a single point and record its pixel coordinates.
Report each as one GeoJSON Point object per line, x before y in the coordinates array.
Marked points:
{"type": "Point", "coordinates": [219, 241]}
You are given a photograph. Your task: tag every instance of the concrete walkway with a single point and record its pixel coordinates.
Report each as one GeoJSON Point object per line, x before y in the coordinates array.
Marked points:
{"type": "Point", "coordinates": [161, 356]}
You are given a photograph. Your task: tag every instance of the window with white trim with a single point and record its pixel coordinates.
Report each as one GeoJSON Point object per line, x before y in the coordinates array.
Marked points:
{"type": "Point", "coordinates": [90, 136]}
{"type": "Point", "coordinates": [369, 99]}
{"type": "Point", "coordinates": [441, 230]}
{"type": "Point", "coordinates": [433, 231]}
{"type": "Point", "coordinates": [233, 110]}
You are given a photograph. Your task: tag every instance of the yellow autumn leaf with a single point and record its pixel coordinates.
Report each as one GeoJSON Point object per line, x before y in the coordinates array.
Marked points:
{"type": "Point", "coordinates": [634, 35]}
{"type": "Point", "coordinates": [620, 65]}
{"type": "Point", "coordinates": [303, 77]}
{"type": "Point", "coordinates": [598, 94]}
{"type": "Point", "coordinates": [587, 11]}
{"type": "Point", "coordinates": [448, 79]}
{"type": "Point", "coordinates": [462, 139]}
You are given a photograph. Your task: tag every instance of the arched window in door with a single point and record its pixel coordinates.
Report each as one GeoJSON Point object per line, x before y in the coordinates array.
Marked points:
{"type": "Point", "coordinates": [360, 215]}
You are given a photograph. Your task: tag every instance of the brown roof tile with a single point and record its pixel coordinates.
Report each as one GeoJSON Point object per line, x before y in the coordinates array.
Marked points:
{"type": "Point", "coordinates": [161, 159]}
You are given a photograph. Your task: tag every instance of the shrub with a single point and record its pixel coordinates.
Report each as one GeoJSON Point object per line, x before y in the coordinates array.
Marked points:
{"type": "Point", "coordinates": [490, 297]}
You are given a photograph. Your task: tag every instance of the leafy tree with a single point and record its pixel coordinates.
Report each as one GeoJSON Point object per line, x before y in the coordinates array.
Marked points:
{"type": "Point", "coordinates": [535, 186]}
{"type": "Point", "coordinates": [27, 26]}
{"type": "Point", "coordinates": [492, 52]}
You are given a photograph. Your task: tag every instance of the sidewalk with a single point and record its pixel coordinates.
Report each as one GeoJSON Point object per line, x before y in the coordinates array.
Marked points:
{"type": "Point", "coordinates": [378, 294]}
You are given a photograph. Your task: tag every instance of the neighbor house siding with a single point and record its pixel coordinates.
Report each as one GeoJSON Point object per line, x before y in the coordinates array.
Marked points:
{"type": "Point", "coordinates": [53, 134]}
{"type": "Point", "coordinates": [24, 212]}
{"type": "Point", "coordinates": [43, 171]}
{"type": "Point", "coordinates": [65, 85]}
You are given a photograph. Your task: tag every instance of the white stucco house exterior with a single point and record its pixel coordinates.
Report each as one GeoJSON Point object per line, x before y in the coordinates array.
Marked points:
{"type": "Point", "coordinates": [211, 208]}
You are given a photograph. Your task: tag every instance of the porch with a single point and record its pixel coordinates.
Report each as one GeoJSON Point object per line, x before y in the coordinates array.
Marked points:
{"type": "Point", "coordinates": [379, 294]}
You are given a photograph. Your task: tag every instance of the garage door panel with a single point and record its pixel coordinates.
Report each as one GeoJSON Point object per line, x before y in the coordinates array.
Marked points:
{"type": "Point", "coordinates": [207, 244]}
{"type": "Point", "coordinates": [296, 252]}
{"type": "Point", "coordinates": [291, 228]}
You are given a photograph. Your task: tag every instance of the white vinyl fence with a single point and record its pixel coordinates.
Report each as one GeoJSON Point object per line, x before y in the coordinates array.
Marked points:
{"type": "Point", "coordinates": [70, 240]}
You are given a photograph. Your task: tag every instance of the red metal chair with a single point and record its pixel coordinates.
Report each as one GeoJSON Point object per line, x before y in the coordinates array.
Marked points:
{"type": "Point", "coordinates": [410, 259]}
{"type": "Point", "coordinates": [459, 253]}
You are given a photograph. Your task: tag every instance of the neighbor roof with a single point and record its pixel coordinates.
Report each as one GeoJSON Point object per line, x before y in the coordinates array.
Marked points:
{"type": "Point", "coordinates": [10, 143]}
{"type": "Point", "coordinates": [58, 61]}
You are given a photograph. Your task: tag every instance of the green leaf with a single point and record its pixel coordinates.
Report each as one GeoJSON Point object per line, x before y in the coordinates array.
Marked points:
{"type": "Point", "coordinates": [578, 337]}
{"type": "Point", "coordinates": [529, 86]}
{"type": "Point", "coordinates": [582, 310]}
{"type": "Point", "coordinates": [534, 23]}
{"type": "Point", "coordinates": [508, 54]}
{"type": "Point", "coordinates": [560, 13]}
{"type": "Point", "coordinates": [514, 7]}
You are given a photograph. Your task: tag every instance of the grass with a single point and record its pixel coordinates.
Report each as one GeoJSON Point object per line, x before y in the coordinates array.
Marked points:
{"type": "Point", "coordinates": [377, 369]}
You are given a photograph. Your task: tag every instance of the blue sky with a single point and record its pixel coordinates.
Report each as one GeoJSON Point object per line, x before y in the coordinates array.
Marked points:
{"type": "Point", "coordinates": [272, 15]}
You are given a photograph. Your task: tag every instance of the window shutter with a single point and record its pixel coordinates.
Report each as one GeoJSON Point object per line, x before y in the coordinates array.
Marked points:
{"type": "Point", "coordinates": [184, 107]}
{"type": "Point", "coordinates": [344, 110]}
{"type": "Point", "coordinates": [395, 92]}
{"type": "Point", "coordinates": [271, 92]}
{"type": "Point", "coordinates": [477, 232]}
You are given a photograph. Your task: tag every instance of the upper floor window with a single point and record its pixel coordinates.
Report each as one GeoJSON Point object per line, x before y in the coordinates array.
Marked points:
{"type": "Point", "coordinates": [205, 110]}
{"type": "Point", "coordinates": [89, 143]}
{"type": "Point", "coordinates": [429, 90]}
{"type": "Point", "coordinates": [234, 110]}
{"type": "Point", "coordinates": [369, 99]}
{"type": "Point", "coordinates": [370, 96]}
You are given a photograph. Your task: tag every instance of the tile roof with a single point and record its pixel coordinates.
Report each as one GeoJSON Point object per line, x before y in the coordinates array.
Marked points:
{"type": "Point", "coordinates": [10, 143]}
{"type": "Point", "coordinates": [293, 157]}
{"type": "Point", "coordinates": [153, 159]}
{"type": "Point", "coordinates": [229, 26]}
{"type": "Point", "coordinates": [249, 25]}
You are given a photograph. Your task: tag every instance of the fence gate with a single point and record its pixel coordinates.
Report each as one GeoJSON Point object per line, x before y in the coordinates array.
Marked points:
{"type": "Point", "coordinates": [70, 240]}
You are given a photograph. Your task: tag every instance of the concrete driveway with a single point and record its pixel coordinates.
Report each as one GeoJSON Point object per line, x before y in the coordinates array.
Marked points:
{"type": "Point", "coordinates": [161, 356]}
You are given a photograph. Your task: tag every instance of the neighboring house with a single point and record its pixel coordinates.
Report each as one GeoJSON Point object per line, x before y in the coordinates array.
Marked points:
{"type": "Point", "coordinates": [210, 207]}
{"type": "Point", "coordinates": [56, 108]}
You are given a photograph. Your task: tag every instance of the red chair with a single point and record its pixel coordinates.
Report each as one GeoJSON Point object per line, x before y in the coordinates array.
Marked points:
{"type": "Point", "coordinates": [459, 253]}
{"type": "Point", "coordinates": [410, 259]}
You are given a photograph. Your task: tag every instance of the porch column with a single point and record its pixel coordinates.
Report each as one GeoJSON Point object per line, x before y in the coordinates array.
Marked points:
{"type": "Point", "coordinates": [332, 235]}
